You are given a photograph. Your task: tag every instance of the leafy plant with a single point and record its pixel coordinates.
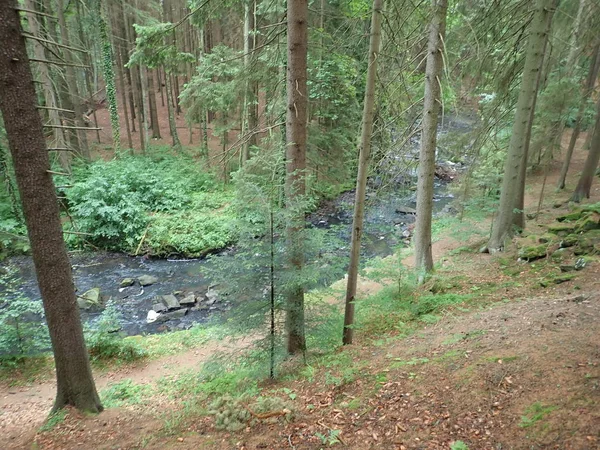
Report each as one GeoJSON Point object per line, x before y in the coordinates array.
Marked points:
{"type": "Point", "coordinates": [23, 331]}
{"type": "Point", "coordinates": [104, 342]}
{"type": "Point", "coordinates": [113, 201]}
{"type": "Point", "coordinates": [331, 438]}
{"type": "Point", "coordinates": [459, 445]}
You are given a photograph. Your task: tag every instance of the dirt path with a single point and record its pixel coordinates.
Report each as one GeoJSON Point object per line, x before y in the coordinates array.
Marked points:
{"type": "Point", "coordinates": [25, 407]}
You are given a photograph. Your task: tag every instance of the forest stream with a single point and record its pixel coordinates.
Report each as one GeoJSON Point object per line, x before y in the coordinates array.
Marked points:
{"type": "Point", "coordinates": [389, 213]}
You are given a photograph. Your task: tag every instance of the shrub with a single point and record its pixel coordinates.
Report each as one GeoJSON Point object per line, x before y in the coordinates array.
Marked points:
{"type": "Point", "coordinates": [23, 331]}
{"type": "Point", "coordinates": [112, 201]}
{"type": "Point", "coordinates": [105, 342]}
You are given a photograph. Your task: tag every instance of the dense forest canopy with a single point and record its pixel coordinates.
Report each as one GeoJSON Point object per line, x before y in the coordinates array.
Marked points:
{"type": "Point", "coordinates": [283, 146]}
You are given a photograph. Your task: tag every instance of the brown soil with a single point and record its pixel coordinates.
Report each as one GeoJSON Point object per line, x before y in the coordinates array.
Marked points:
{"type": "Point", "coordinates": [520, 369]}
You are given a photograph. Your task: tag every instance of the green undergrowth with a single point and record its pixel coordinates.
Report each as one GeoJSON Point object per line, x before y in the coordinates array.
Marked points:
{"type": "Point", "coordinates": [159, 204]}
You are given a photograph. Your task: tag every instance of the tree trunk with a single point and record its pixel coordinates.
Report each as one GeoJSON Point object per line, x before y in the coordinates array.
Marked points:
{"type": "Point", "coordinates": [431, 110]}
{"type": "Point", "coordinates": [73, 89]}
{"type": "Point", "coordinates": [171, 113]}
{"type": "Point", "coordinates": [589, 88]}
{"type": "Point", "coordinates": [118, 41]}
{"type": "Point", "coordinates": [575, 41]}
{"type": "Point", "coordinates": [152, 106]}
{"type": "Point", "coordinates": [75, 385]}
{"type": "Point", "coordinates": [363, 170]}
{"type": "Point", "coordinates": [250, 120]}
{"type": "Point", "coordinates": [584, 186]}
{"type": "Point", "coordinates": [502, 228]}
{"type": "Point", "coordinates": [145, 109]}
{"type": "Point", "coordinates": [295, 155]}
{"type": "Point", "coordinates": [109, 80]}
{"type": "Point", "coordinates": [518, 219]}
{"type": "Point", "coordinates": [47, 87]}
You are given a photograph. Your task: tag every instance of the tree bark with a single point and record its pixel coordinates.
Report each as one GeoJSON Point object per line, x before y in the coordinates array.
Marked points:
{"type": "Point", "coordinates": [431, 110]}
{"type": "Point", "coordinates": [503, 227]}
{"type": "Point", "coordinates": [109, 79]}
{"type": "Point", "coordinates": [171, 113]}
{"type": "Point", "coordinates": [588, 89]}
{"type": "Point", "coordinates": [363, 170]}
{"type": "Point", "coordinates": [47, 86]}
{"type": "Point", "coordinates": [119, 45]}
{"type": "Point", "coordinates": [152, 106]}
{"type": "Point", "coordinates": [250, 120]}
{"type": "Point", "coordinates": [295, 182]}
{"type": "Point", "coordinates": [73, 89]}
{"type": "Point", "coordinates": [584, 186]}
{"type": "Point", "coordinates": [518, 219]}
{"type": "Point", "coordinates": [75, 385]}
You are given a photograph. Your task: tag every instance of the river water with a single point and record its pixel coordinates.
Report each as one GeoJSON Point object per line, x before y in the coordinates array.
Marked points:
{"type": "Point", "coordinates": [385, 220]}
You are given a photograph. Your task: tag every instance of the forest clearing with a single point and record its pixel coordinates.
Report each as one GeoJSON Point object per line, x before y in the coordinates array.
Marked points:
{"type": "Point", "coordinates": [282, 224]}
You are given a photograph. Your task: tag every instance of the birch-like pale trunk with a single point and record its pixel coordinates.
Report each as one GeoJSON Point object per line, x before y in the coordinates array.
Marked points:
{"type": "Point", "coordinates": [363, 170]}
{"type": "Point", "coordinates": [431, 110]}
{"type": "Point", "coordinates": [503, 225]}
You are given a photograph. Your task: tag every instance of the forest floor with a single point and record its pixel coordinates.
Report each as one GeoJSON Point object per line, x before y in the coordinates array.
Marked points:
{"type": "Point", "coordinates": [515, 367]}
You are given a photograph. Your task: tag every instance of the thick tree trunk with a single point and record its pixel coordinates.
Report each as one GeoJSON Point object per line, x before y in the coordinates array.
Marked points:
{"type": "Point", "coordinates": [588, 89]}
{"type": "Point", "coordinates": [363, 170]}
{"type": "Point", "coordinates": [75, 385]}
{"type": "Point", "coordinates": [519, 206]}
{"type": "Point", "coordinates": [76, 99]}
{"type": "Point", "coordinates": [152, 106]}
{"type": "Point", "coordinates": [431, 109]}
{"type": "Point", "coordinates": [503, 227]}
{"type": "Point", "coordinates": [584, 186]}
{"type": "Point", "coordinates": [295, 183]}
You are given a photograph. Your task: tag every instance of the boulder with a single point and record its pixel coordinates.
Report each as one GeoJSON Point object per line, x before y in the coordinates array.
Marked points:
{"type": "Point", "coordinates": [405, 210]}
{"type": "Point", "coordinates": [188, 300]}
{"type": "Point", "coordinates": [589, 221]}
{"type": "Point", "coordinates": [533, 252]}
{"type": "Point", "coordinates": [562, 229]}
{"type": "Point", "coordinates": [173, 315]}
{"type": "Point", "coordinates": [557, 279]}
{"type": "Point", "coordinates": [171, 302]}
{"type": "Point", "coordinates": [147, 280]}
{"type": "Point", "coordinates": [89, 299]}
{"type": "Point", "coordinates": [212, 296]}
{"type": "Point", "coordinates": [569, 241]}
{"type": "Point", "coordinates": [152, 316]}
{"type": "Point", "coordinates": [159, 307]}
{"type": "Point", "coordinates": [126, 282]}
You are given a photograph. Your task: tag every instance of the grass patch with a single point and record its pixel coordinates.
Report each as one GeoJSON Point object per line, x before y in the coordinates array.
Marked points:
{"type": "Point", "coordinates": [54, 419]}
{"type": "Point", "coordinates": [125, 392]}
{"type": "Point", "coordinates": [535, 413]}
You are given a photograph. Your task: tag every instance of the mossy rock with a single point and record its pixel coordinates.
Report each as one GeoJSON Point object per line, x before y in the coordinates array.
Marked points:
{"type": "Point", "coordinates": [533, 252]}
{"type": "Point", "coordinates": [558, 255]}
{"type": "Point", "coordinates": [545, 238]}
{"type": "Point", "coordinates": [569, 241]}
{"type": "Point", "coordinates": [588, 222]}
{"type": "Point", "coordinates": [557, 279]}
{"type": "Point", "coordinates": [588, 243]}
{"type": "Point", "coordinates": [570, 217]}
{"type": "Point", "coordinates": [562, 229]}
